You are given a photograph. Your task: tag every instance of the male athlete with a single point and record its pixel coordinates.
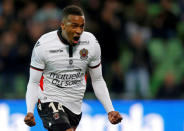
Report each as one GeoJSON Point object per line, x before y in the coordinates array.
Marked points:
{"type": "Point", "coordinates": [57, 83]}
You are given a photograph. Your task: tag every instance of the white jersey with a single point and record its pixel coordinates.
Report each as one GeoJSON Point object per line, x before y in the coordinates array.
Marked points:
{"type": "Point", "coordinates": [64, 68]}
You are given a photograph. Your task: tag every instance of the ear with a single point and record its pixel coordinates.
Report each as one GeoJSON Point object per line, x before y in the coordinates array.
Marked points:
{"type": "Point", "coordinates": [62, 26]}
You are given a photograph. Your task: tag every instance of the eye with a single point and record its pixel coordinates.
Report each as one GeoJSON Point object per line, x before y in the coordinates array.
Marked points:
{"type": "Point", "coordinates": [82, 26]}
{"type": "Point", "coordinates": [77, 25]}
{"type": "Point", "coordinates": [74, 25]}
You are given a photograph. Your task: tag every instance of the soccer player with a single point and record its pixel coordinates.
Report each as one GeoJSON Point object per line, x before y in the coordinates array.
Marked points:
{"type": "Point", "coordinates": [57, 83]}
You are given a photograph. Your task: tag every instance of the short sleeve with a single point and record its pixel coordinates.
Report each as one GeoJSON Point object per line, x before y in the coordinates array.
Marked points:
{"type": "Point", "coordinates": [37, 59]}
{"type": "Point", "coordinates": [96, 57]}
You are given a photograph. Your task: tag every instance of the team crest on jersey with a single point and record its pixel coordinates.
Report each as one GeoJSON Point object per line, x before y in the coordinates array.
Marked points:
{"type": "Point", "coordinates": [83, 54]}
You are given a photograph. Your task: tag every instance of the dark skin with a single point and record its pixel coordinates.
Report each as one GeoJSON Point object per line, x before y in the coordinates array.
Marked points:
{"type": "Point", "coordinates": [72, 28]}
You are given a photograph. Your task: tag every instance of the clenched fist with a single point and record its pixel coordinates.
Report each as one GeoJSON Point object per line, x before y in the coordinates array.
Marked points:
{"type": "Point", "coordinates": [114, 117]}
{"type": "Point", "coordinates": [29, 119]}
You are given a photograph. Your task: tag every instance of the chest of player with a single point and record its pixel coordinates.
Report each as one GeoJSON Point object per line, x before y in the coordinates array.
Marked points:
{"type": "Point", "coordinates": [68, 57]}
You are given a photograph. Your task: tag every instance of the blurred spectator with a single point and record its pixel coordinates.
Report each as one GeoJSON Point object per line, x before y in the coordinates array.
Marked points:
{"type": "Point", "coordinates": [110, 30]}
{"type": "Point", "coordinates": [141, 41]}
{"type": "Point", "coordinates": [8, 11]}
{"type": "Point", "coordinates": [139, 21]}
{"type": "Point", "coordinates": [2, 24]}
{"type": "Point", "coordinates": [164, 25]}
{"type": "Point", "coordinates": [92, 21]}
{"type": "Point", "coordinates": [117, 75]}
{"type": "Point", "coordinates": [109, 34]}
{"type": "Point", "coordinates": [49, 15]}
{"type": "Point", "coordinates": [27, 13]}
{"type": "Point", "coordinates": [166, 55]}
{"type": "Point", "coordinates": [136, 62]}
{"type": "Point", "coordinates": [35, 30]}
{"type": "Point", "coordinates": [9, 65]}
{"type": "Point", "coordinates": [181, 87]}
{"type": "Point", "coordinates": [169, 89]}
{"type": "Point", "coordinates": [8, 51]}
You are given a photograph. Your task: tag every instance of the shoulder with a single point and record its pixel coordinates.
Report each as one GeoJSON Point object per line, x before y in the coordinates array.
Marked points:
{"type": "Point", "coordinates": [47, 37]}
{"type": "Point", "coordinates": [44, 40]}
{"type": "Point", "coordinates": [91, 42]}
{"type": "Point", "coordinates": [88, 38]}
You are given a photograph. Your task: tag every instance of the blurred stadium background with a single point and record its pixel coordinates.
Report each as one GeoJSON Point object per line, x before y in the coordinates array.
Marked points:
{"type": "Point", "coordinates": [142, 45]}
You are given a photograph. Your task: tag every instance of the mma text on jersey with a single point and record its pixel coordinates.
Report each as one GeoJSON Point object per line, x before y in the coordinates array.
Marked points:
{"type": "Point", "coordinates": [66, 76]}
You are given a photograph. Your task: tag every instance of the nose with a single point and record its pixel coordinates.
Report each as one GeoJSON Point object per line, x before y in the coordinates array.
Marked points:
{"type": "Point", "coordinates": [79, 30]}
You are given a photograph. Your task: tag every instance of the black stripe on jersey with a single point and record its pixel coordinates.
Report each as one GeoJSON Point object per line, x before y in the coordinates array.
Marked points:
{"type": "Point", "coordinates": [70, 51]}
{"type": "Point", "coordinates": [92, 67]}
{"type": "Point", "coordinates": [35, 68]}
{"type": "Point", "coordinates": [59, 32]}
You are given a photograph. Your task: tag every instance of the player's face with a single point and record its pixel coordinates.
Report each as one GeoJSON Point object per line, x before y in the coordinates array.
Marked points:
{"type": "Point", "coordinates": [72, 28]}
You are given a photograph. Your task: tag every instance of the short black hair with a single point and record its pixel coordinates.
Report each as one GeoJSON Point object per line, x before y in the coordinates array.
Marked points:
{"type": "Point", "coordinates": [72, 10]}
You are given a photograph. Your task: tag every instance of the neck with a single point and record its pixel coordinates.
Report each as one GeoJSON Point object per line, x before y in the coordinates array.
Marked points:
{"type": "Point", "coordinates": [62, 37]}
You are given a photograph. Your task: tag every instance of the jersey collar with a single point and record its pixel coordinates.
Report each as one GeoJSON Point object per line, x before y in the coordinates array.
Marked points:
{"type": "Point", "coordinates": [59, 32]}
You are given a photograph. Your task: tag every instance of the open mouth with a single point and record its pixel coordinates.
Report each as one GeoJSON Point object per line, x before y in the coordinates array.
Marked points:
{"type": "Point", "coordinates": [76, 39]}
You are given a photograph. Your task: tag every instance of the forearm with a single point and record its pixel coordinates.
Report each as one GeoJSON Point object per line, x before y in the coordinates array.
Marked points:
{"type": "Point", "coordinates": [102, 94]}
{"type": "Point", "coordinates": [100, 88]}
{"type": "Point", "coordinates": [33, 89]}
{"type": "Point", "coordinates": [31, 96]}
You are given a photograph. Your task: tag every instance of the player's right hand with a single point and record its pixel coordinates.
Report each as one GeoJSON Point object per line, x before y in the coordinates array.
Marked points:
{"type": "Point", "coordinates": [29, 119]}
{"type": "Point", "coordinates": [114, 117]}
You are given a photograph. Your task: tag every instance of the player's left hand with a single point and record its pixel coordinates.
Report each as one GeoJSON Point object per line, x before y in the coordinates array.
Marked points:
{"type": "Point", "coordinates": [114, 117]}
{"type": "Point", "coordinates": [30, 119]}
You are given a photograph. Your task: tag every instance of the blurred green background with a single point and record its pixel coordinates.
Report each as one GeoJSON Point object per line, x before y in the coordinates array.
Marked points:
{"type": "Point", "coordinates": [142, 44]}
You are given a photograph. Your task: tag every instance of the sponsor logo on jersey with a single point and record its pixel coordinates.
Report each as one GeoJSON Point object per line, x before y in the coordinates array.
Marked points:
{"type": "Point", "coordinates": [70, 62]}
{"type": "Point", "coordinates": [83, 54]}
{"type": "Point", "coordinates": [84, 42]}
{"type": "Point", "coordinates": [66, 80]}
{"type": "Point", "coordinates": [56, 51]}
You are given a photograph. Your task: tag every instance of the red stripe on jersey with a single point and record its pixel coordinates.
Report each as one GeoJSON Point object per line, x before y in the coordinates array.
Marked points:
{"type": "Point", "coordinates": [86, 77]}
{"type": "Point", "coordinates": [92, 67]}
{"type": "Point", "coordinates": [41, 82]}
{"type": "Point", "coordinates": [32, 67]}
